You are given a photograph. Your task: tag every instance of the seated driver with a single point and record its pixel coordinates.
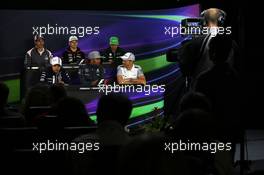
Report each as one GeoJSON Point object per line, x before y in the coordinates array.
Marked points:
{"type": "Point", "coordinates": [128, 72]}
{"type": "Point", "coordinates": [55, 74]}
{"type": "Point", "coordinates": [92, 72]}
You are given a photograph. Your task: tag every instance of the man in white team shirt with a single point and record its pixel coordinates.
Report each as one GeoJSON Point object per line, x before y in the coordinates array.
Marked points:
{"type": "Point", "coordinates": [128, 72]}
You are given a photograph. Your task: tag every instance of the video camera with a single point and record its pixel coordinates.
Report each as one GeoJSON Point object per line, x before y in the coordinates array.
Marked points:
{"type": "Point", "coordinates": [190, 28]}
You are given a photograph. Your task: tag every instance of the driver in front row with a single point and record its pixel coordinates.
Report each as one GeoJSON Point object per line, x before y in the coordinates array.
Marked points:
{"type": "Point", "coordinates": [55, 74]}
{"type": "Point", "coordinates": [92, 72]}
{"type": "Point", "coordinates": [128, 72]}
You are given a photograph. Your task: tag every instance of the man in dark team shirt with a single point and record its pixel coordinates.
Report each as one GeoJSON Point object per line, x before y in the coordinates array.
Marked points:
{"type": "Point", "coordinates": [92, 72]}
{"type": "Point", "coordinates": [73, 54]}
{"type": "Point", "coordinates": [37, 59]}
{"type": "Point", "coordinates": [55, 74]}
{"type": "Point", "coordinates": [71, 57]}
{"type": "Point", "coordinates": [38, 56]}
{"type": "Point", "coordinates": [113, 53]}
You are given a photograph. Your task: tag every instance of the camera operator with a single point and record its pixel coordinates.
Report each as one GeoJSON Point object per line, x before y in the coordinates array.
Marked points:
{"type": "Point", "coordinates": [193, 58]}
{"type": "Point", "coordinates": [192, 66]}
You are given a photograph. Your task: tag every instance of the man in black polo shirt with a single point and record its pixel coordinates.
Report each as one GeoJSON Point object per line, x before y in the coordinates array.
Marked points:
{"type": "Point", "coordinates": [73, 54]}
{"type": "Point", "coordinates": [113, 53]}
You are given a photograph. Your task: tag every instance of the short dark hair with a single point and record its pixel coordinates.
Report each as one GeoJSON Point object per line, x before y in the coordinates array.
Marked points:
{"type": "Point", "coordinates": [4, 92]}
{"type": "Point", "coordinates": [116, 107]}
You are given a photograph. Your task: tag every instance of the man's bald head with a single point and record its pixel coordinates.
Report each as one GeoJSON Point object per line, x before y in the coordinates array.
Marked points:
{"type": "Point", "coordinates": [211, 16]}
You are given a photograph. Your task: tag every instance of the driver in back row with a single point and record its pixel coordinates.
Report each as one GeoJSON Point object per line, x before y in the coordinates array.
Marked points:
{"type": "Point", "coordinates": [73, 54]}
